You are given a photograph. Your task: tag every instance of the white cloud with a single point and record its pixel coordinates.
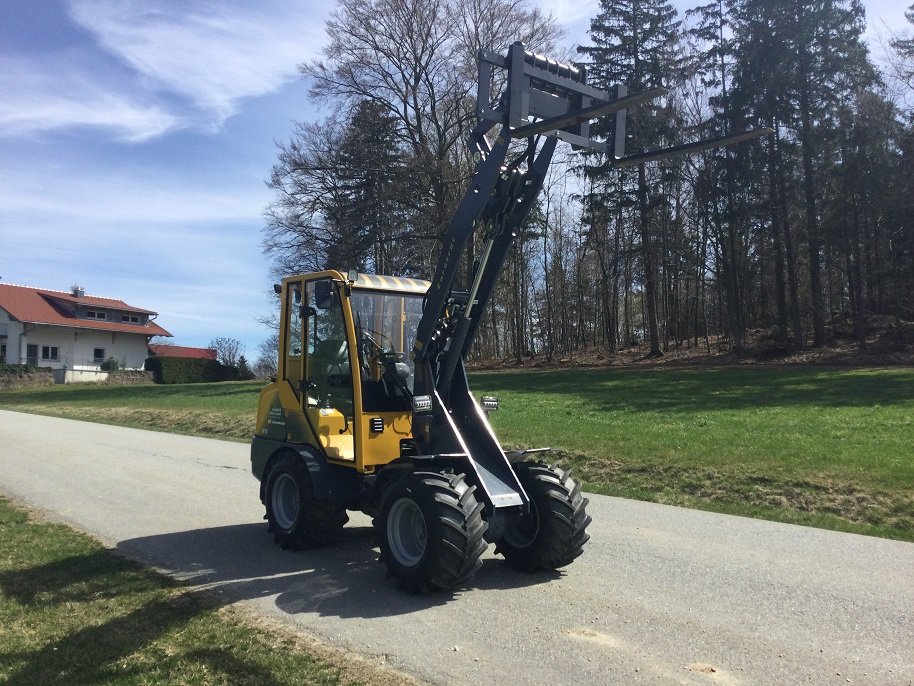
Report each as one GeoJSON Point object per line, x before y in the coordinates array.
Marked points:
{"type": "Point", "coordinates": [212, 54]}
{"type": "Point", "coordinates": [156, 66]}
{"type": "Point", "coordinates": [570, 12]}
{"type": "Point", "coordinates": [37, 99]}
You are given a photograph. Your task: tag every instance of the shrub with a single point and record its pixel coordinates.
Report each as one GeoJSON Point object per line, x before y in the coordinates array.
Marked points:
{"type": "Point", "coordinates": [18, 369]}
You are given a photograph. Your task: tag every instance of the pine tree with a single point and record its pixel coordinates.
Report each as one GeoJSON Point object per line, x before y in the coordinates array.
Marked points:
{"type": "Point", "coordinates": [634, 42]}
{"type": "Point", "coordinates": [340, 199]}
{"type": "Point", "coordinates": [803, 58]}
{"type": "Point", "coordinates": [722, 174]}
{"type": "Point", "coordinates": [373, 198]}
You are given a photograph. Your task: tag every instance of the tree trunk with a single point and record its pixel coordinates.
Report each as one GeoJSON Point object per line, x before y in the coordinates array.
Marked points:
{"type": "Point", "coordinates": [776, 234]}
{"type": "Point", "coordinates": [650, 267]}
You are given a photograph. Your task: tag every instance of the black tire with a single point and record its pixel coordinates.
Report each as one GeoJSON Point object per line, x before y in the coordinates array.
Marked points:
{"type": "Point", "coordinates": [431, 531]}
{"type": "Point", "coordinates": [554, 532]}
{"type": "Point", "coordinates": [297, 519]}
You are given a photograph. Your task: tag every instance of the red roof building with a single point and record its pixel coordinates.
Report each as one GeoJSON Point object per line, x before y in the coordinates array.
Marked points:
{"type": "Point", "coordinates": [72, 330]}
{"type": "Point", "coordinates": [161, 350]}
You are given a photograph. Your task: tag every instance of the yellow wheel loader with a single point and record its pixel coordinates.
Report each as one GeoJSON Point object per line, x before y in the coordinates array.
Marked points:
{"type": "Point", "coordinates": [371, 409]}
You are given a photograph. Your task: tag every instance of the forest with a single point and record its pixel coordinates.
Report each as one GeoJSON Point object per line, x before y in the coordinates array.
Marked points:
{"type": "Point", "coordinates": [792, 241]}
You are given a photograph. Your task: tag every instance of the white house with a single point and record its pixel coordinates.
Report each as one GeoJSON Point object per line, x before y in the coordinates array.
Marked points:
{"type": "Point", "coordinates": [79, 336]}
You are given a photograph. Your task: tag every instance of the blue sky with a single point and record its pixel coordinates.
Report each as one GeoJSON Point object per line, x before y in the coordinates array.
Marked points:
{"type": "Point", "coordinates": [136, 137]}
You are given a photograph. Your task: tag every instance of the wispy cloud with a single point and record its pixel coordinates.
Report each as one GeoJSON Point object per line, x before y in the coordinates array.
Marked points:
{"type": "Point", "coordinates": [156, 66]}
{"type": "Point", "coordinates": [37, 99]}
{"type": "Point", "coordinates": [212, 54]}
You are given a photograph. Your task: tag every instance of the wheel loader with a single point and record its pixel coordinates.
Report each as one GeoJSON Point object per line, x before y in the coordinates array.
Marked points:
{"type": "Point", "coordinates": [371, 409]}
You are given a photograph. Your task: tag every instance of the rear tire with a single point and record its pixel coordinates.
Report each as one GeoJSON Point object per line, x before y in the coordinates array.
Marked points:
{"type": "Point", "coordinates": [296, 518]}
{"type": "Point", "coordinates": [554, 532]}
{"type": "Point", "coordinates": [431, 531]}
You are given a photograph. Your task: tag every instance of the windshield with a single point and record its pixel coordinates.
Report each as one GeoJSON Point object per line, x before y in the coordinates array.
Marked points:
{"type": "Point", "coordinates": [389, 320]}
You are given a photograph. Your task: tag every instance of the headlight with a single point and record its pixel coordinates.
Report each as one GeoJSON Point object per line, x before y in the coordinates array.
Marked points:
{"type": "Point", "coordinates": [422, 403]}
{"type": "Point", "coordinates": [489, 403]}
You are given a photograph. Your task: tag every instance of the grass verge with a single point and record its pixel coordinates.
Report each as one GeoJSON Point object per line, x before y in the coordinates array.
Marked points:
{"type": "Point", "coordinates": [217, 410]}
{"type": "Point", "coordinates": [71, 612]}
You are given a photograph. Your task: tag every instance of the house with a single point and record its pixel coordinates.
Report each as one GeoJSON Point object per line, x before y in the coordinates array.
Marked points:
{"type": "Point", "coordinates": [160, 350]}
{"type": "Point", "coordinates": [79, 336]}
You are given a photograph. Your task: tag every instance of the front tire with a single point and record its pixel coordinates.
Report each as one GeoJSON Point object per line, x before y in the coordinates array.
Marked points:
{"type": "Point", "coordinates": [431, 531]}
{"type": "Point", "coordinates": [295, 516]}
{"type": "Point", "coordinates": [553, 533]}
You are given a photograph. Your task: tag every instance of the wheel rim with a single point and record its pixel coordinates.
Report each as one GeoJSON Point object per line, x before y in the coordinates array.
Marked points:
{"type": "Point", "coordinates": [406, 532]}
{"type": "Point", "coordinates": [285, 501]}
{"type": "Point", "coordinates": [523, 532]}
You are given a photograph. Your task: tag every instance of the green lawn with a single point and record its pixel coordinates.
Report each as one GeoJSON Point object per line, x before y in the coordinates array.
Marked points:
{"type": "Point", "coordinates": [73, 613]}
{"type": "Point", "coordinates": [827, 447]}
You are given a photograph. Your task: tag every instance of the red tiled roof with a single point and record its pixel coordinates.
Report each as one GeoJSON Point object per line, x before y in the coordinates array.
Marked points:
{"type": "Point", "coordinates": [93, 301]}
{"type": "Point", "coordinates": [182, 351]}
{"type": "Point", "coordinates": [56, 308]}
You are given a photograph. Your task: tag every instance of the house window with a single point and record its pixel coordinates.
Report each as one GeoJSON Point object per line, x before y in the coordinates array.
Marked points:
{"type": "Point", "coordinates": [130, 319]}
{"type": "Point", "coordinates": [2, 353]}
{"type": "Point", "coordinates": [98, 354]}
{"type": "Point", "coordinates": [49, 352]}
{"type": "Point", "coordinates": [95, 314]}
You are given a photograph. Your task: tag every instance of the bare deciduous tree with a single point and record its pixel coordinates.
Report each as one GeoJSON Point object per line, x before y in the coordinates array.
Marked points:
{"type": "Point", "coordinates": [228, 350]}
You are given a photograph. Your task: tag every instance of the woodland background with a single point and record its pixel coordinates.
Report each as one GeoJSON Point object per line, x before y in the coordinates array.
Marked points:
{"type": "Point", "coordinates": [794, 241]}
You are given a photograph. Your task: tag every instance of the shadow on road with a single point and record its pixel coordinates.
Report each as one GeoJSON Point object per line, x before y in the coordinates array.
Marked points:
{"type": "Point", "coordinates": [345, 579]}
{"type": "Point", "coordinates": [225, 564]}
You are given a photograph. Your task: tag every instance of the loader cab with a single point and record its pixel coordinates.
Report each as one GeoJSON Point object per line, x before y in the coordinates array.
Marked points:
{"type": "Point", "coordinates": [345, 356]}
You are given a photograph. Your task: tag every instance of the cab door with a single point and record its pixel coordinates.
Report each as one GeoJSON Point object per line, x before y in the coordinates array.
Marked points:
{"type": "Point", "coordinates": [327, 388]}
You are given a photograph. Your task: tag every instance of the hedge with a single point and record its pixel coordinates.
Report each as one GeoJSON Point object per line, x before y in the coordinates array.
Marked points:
{"type": "Point", "coordinates": [168, 370]}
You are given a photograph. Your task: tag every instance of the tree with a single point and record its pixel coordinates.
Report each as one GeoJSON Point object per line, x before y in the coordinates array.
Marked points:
{"type": "Point", "coordinates": [244, 371]}
{"type": "Point", "coordinates": [715, 184]}
{"type": "Point", "coordinates": [634, 42]}
{"type": "Point", "coordinates": [267, 359]}
{"type": "Point", "coordinates": [228, 351]}
{"type": "Point", "coordinates": [806, 231]}
{"type": "Point", "coordinates": [815, 60]}
{"type": "Point", "coordinates": [903, 64]}
{"type": "Point", "coordinates": [411, 60]}
{"type": "Point", "coordinates": [340, 198]}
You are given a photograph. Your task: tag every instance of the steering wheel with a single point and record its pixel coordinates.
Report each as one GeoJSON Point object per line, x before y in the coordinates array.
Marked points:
{"type": "Point", "coordinates": [380, 342]}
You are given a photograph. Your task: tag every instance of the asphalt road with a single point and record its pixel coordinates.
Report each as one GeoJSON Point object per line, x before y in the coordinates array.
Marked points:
{"type": "Point", "coordinates": [662, 595]}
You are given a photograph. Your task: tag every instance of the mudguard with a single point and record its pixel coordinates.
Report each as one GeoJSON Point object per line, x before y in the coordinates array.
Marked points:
{"type": "Point", "coordinates": [329, 480]}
